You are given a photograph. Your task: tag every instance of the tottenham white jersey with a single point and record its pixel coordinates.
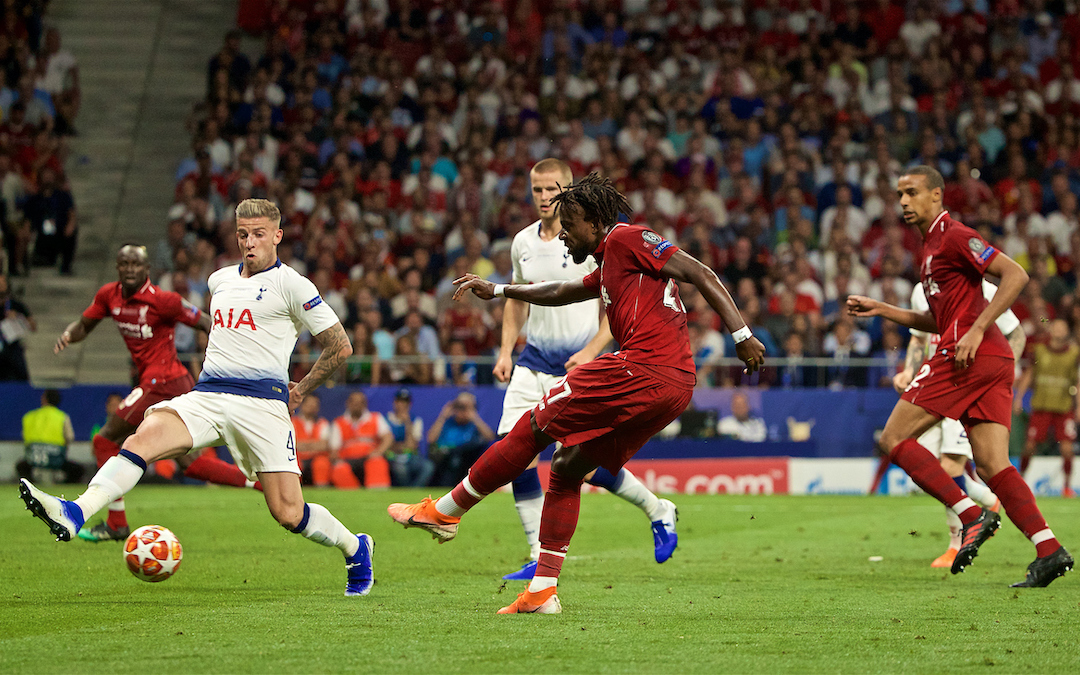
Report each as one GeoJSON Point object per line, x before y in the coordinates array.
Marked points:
{"type": "Point", "coordinates": [553, 334]}
{"type": "Point", "coordinates": [1006, 323]}
{"type": "Point", "coordinates": [256, 322]}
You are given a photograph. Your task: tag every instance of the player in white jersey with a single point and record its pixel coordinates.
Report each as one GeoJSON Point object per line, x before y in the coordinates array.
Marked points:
{"type": "Point", "coordinates": [948, 439]}
{"type": "Point", "coordinates": [557, 340]}
{"type": "Point", "coordinates": [243, 398]}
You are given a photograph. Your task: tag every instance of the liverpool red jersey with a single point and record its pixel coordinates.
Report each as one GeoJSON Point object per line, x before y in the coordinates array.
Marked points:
{"type": "Point", "coordinates": [643, 307]}
{"type": "Point", "coordinates": [147, 321]}
{"type": "Point", "coordinates": [954, 259]}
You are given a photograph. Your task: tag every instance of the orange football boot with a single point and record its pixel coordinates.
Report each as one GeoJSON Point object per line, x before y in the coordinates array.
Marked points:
{"type": "Point", "coordinates": [945, 559]}
{"type": "Point", "coordinates": [426, 517]}
{"type": "Point", "coordinates": [541, 602]}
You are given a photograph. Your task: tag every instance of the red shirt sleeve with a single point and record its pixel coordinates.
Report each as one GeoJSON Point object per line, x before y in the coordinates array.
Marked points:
{"type": "Point", "coordinates": [99, 307]}
{"type": "Point", "coordinates": [648, 250]}
{"type": "Point", "coordinates": [171, 306]}
{"type": "Point", "coordinates": [592, 281]}
{"type": "Point", "coordinates": [974, 251]}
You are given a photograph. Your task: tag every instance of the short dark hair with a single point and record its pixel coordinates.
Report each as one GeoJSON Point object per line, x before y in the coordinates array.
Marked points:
{"type": "Point", "coordinates": [598, 199]}
{"type": "Point", "coordinates": [932, 175]}
{"type": "Point", "coordinates": [52, 397]}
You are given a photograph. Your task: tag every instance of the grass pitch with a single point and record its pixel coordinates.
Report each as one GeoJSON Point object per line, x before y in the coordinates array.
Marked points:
{"type": "Point", "coordinates": [758, 584]}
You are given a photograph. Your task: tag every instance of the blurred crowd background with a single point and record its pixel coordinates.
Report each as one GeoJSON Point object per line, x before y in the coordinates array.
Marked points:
{"type": "Point", "coordinates": [763, 136]}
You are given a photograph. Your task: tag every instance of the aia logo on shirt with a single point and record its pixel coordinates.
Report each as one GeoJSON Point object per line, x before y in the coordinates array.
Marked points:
{"type": "Point", "coordinates": [244, 319]}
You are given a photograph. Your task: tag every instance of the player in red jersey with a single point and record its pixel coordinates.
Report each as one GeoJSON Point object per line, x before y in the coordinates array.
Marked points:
{"type": "Point", "coordinates": [969, 378]}
{"type": "Point", "coordinates": [146, 317]}
{"type": "Point", "coordinates": [603, 411]}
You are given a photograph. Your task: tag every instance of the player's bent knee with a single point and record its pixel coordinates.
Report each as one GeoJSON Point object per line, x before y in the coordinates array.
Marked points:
{"type": "Point", "coordinates": [568, 462]}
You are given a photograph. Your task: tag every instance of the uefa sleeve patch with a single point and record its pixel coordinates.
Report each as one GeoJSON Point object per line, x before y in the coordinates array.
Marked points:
{"type": "Point", "coordinates": [660, 248]}
{"type": "Point", "coordinates": [985, 255]}
{"type": "Point", "coordinates": [314, 302]}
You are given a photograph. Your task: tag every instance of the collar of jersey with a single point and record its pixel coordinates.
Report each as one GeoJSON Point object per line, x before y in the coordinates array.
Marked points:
{"type": "Point", "coordinates": [599, 252]}
{"type": "Point", "coordinates": [276, 264]}
{"type": "Point", "coordinates": [940, 219]}
{"type": "Point", "coordinates": [142, 289]}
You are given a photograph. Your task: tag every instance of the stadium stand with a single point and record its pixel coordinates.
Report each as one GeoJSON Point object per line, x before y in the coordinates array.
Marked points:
{"type": "Point", "coordinates": [764, 137]}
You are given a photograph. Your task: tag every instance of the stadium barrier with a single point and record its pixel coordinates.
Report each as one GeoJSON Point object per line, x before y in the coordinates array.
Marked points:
{"type": "Point", "coordinates": [839, 423]}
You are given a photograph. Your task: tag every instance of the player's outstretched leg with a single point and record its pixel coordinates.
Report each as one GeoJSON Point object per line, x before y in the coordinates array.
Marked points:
{"type": "Point", "coordinates": [500, 464]}
{"type": "Point", "coordinates": [662, 513]}
{"type": "Point", "coordinates": [64, 518]}
{"type": "Point", "coordinates": [926, 471]}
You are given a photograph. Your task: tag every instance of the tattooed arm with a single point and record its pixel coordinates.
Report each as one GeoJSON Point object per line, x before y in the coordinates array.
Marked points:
{"type": "Point", "coordinates": [335, 349]}
{"type": "Point", "coordinates": [916, 353]}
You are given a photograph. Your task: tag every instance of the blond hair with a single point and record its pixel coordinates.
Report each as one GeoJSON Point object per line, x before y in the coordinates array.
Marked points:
{"type": "Point", "coordinates": [553, 165]}
{"type": "Point", "coordinates": [259, 208]}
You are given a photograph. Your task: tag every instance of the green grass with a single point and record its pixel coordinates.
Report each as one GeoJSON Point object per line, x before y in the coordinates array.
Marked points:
{"type": "Point", "coordinates": [759, 584]}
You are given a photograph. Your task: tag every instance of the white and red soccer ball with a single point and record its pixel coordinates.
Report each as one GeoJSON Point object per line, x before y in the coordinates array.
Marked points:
{"type": "Point", "coordinates": [152, 553]}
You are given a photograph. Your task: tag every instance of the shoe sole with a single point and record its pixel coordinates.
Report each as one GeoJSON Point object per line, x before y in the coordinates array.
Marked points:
{"type": "Point", "coordinates": [34, 506]}
{"type": "Point", "coordinates": [371, 562]}
{"type": "Point", "coordinates": [542, 609]}
{"type": "Point", "coordinates": [95, 540]}
{"type": "Point", "coordinates": [964, 558]}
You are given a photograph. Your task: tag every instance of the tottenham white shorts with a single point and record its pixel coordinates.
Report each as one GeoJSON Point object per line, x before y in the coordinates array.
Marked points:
{"type": "Point", "coordinates": [948, 437]}
{"type": "Point", "coordinates": [526, 389]}
{"type": "Point", "coordinates": [257, 431]}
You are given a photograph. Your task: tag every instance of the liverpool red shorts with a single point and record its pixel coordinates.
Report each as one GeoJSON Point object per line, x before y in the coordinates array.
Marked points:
{"type": "Point", "coordinates": [982, 392]}
{"type": "Point", "coordinates": [133, 407]}
{"type": "Point", "coordinates": [1042, 421]}
{"type": "Point", "coordinates": [611, 407]}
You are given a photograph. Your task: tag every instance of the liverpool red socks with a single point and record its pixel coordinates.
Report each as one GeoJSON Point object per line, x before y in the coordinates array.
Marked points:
{"type": "Point", "coordinates": [562, 503]}
{"type": "Point", "coordinates": [1019, 504]}
{"type": "Point", "coordinates": [501, 463]}
{"type": "Point", "coordinates": [926, 471]}
{"type": "Point", "coordinates": [213, 470]}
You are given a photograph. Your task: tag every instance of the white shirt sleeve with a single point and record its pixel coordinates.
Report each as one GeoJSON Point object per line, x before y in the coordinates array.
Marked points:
{"type": "Point", "coordinates": [1007, 322]}
{"type": "Point", "coordinates": [307, 306]}
{"type": "Point", "coordinates": [515, 256]}
{"type": "Point", "coordinates": [919, 304]}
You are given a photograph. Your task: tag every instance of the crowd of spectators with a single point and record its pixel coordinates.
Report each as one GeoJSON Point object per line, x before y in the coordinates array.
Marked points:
{"type": "Point", "coordinates": [765, 137]}
{"type": "Point", "coordinates": [39, 100]}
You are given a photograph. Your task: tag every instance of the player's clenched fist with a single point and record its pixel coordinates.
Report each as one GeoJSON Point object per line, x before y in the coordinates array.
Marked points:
{"type": "Point", "coordinates": [860, 305]}
{"type": "Point", "coordinates": [752, 353]}
{"type": "Point", "coordinates": [485, 290]}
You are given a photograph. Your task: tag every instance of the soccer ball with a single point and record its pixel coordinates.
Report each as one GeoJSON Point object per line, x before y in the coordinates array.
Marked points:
{"type": "Point", "coordinates": [152, 553]}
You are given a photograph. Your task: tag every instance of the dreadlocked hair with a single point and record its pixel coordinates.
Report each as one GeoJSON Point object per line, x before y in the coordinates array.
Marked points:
{"type": "Point", "coordinates": [597, 198]}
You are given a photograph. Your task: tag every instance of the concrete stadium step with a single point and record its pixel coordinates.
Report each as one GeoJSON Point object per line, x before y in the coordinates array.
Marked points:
{"type": "Point", "coordinates": [142, 64]}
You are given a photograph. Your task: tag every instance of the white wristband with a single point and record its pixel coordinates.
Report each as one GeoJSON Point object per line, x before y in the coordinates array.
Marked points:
{"type": "Point", "coordinates": [500, 290]}
{"type": "Point", "coordinates": [742, 334]}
